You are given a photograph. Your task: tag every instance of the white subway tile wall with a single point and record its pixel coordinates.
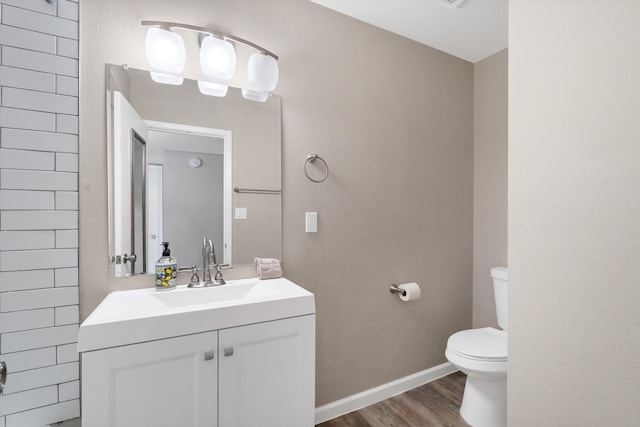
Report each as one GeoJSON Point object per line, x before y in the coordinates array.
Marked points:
{"type": "Point", "coordinates": [38, 180]}
{"type": "Point", "coordinates": [19, 240]}
{"type": "Point", "coordinates": [66, 238]}
{"type": "Point", "coordinates": [43, 141]}
{"type": "Point", "coordinates": [38, 220]}
{"type": "Point", "coordinates": [67, 353]}
{"type": "Point", "coordinates": [67, 200]}
{"type": "Point", "coordinates": [66, 277]}
{"type": "Point", "coordinates": [26, 79]}
{"type": "Point", "coordinates": [37, 338]}
{"type": "Point", "coordinates": [41, 416]}
{"type": "Point", "coordinates": [21, 159]}
{"type": "Point", "coordinates": [17, 37]}
{"type": "Point", "coordinates": [13, 200]}
{"type": "Point", "coordinates": [21, 280]}
{"type": "Point", "coordinates": [31, 359]}
{"type": "Point", "coordinates": [39, 312]}
{"type": "Point", "coordinates": [25, 119]}
{"type": "Point", "coordinates": [69, 391]}
{"type": "Point", "coordinates": [66, 162]}
{"type": "Point", "coordinates": [31, 319]}
{"type": "Point", "coordinates": [66, 124]}
{"type": "Point", "coordinates": [23, 401]}
{"type": "Point", "coordinates": [42, 377]}
{"type": "Point", "coordinates": [67, 315]}
{"type": "Point", "coordinates": [48, 102]}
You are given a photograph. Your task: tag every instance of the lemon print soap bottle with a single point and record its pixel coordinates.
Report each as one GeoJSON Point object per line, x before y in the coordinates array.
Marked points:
{"type": "Point", "coordinates": [166, 270]}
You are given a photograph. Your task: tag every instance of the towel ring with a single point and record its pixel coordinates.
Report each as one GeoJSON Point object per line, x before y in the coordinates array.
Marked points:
{"type": "Point", "coordinates": [312, 158]}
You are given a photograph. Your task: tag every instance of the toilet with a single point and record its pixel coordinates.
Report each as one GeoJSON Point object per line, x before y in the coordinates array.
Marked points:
{"type": "Point", "coordinates": [482, 355]}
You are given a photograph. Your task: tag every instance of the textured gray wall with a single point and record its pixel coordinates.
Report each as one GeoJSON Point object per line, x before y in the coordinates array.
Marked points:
{"type": "Point", "coordinates": [489, 182]}
{"type": "Point", "coordinates": [574, 205]}
{"type": "Point", "coordinates": [394, 121]}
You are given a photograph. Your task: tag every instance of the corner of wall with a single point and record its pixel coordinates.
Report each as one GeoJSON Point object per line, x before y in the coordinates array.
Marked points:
{"type": "Point", "coordinates": [489, 181]}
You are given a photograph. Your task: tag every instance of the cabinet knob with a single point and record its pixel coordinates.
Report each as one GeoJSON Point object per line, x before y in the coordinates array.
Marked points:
{"type": "Point", "coordinates": [208, 355]}
{"type": "Point", "coordinates": [228, 351]}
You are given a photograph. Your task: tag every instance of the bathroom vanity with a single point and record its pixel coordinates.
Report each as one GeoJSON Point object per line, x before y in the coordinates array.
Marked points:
{"type": "Point", "coordinates": [241, 354]}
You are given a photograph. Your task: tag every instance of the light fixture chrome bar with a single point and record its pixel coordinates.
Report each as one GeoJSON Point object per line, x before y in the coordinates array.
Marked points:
{"type": "Point", "coordinates": [214, 33]}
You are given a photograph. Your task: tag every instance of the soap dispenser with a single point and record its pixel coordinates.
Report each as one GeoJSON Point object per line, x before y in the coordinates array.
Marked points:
{"type": "Point", "coordinates": [166, 269]}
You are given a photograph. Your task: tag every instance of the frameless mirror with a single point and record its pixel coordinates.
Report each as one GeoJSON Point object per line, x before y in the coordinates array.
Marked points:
{"type": "Point", "coordinates": [175, 157]}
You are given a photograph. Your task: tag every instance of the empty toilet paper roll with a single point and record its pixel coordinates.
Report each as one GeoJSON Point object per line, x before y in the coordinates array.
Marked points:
{"type": "Point", "coordinates": [411, 291]}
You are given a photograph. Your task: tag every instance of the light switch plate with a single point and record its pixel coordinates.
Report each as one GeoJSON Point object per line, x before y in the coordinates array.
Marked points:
{"type": "Point", "coordinates": [311, 222]}
{"type": "Point", "coordinates": [241, 213]}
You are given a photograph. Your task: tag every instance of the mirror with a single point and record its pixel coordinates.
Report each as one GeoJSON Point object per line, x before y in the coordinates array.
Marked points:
{"type": "Point", "coordinates": [184, 152]}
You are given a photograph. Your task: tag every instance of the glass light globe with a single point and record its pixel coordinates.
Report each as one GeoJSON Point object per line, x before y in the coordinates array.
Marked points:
{"type": "Point", "coordinates": [254, 95]}
{"type": "Point", "coordinates": [165, 51]}
{"type": "Point", "coordinates": [167, 79]}
{"type": "Point", "coordinates": [212, 89]}
{"type": "Point", "coordinates": [262, 73]}
{"type": "Point", "coordinates": [217, 58]}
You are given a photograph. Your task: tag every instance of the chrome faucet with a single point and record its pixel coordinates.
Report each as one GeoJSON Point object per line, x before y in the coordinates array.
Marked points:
{"type": "Point", "coordinates": [207, 249]}
{"type": "Point", "coordinates": [217, 279]}
{"type": "Point", "coordinates": [209, 255]}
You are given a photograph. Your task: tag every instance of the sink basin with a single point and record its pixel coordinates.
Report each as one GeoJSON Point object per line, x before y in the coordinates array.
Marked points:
{"type": "Point", "coordinates": [128, 317]}
{"type": "Point", "coordinates": [212, 295]}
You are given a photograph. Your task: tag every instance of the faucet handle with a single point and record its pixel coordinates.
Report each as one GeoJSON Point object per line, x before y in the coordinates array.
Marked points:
{"type": "Point", "coordinates": [195, 280]}
{"type": "Point", "coordinates": [194, 277]}
{"type": "Point", "coordinates": [218, 279]}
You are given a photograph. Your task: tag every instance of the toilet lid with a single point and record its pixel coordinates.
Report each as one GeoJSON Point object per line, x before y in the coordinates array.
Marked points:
{"type": "Point", "coordinates": [481, 344]}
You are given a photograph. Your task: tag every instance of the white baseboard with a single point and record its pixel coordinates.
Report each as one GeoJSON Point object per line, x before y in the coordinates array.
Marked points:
{"type": "Point", "coordinates": [382, 392]}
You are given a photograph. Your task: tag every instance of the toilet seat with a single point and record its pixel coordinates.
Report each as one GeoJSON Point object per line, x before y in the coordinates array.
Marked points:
{"type": "Point", "coordinates": [483, 344]}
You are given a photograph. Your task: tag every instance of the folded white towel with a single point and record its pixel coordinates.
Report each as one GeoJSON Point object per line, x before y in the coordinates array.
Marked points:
{"type": "Point", "coordinates": [268, 268]}
{"type": "Point", "coordinates": [259, 261]}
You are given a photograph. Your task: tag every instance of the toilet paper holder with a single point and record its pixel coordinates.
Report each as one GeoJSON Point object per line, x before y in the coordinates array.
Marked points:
{"type": "Point", "coordinates": [394, 289]}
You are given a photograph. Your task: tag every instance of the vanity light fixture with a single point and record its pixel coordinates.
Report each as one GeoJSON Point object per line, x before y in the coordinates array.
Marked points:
{"type": "Point", "coordinates": [218, 63]}
{"type": "Point", "coordinates": [254, 95]}
{"type": "Point", "coordinates": [217, 60]}
{"type": "Point", "coordinates": [166, 55]}
{"type": "Point", "coordinates": [262, 76]}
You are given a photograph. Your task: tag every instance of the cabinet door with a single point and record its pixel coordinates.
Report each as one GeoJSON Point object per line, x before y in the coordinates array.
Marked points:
{"type": "Point", "coordinates": [171, 382]}
{"type": "Point", "coordinates": [267, 374]}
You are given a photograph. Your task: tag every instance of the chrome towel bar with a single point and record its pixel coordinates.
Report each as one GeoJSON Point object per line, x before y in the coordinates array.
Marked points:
{"type": "Point", "coordinates": [255, 191]}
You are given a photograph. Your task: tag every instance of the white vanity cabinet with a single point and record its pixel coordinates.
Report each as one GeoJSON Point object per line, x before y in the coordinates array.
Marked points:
{"type": "Point", "coordinates": [238, 355]}
{"type": "Point", "coordinates": [261, 374]}
{"type": "Point", "coordinates": [267, 374]}
{"type": "Point", "coordinates": [157, 383]}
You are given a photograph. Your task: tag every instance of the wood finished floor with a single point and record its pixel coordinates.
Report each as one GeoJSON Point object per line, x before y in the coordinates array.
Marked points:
{"type": "Point", "coordinates": [434, 404]}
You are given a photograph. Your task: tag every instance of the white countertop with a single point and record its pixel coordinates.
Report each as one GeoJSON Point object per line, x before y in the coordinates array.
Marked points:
{"type": "Point", "coordinates": [128, 317]}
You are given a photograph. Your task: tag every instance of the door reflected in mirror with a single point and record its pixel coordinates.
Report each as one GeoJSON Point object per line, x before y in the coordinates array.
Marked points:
{"type": "Point", "coordinates": [138, 205]}
{"type": "Point", "coordinates": [196, 149]}
{"type": "Point", "coordinates": [188, 192]}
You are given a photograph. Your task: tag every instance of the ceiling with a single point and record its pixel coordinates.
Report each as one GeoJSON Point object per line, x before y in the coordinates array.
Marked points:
{"type": "Point", "coordinates": [472, 31]}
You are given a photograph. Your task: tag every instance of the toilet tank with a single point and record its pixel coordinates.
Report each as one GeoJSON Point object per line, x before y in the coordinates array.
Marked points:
{"type": "Point", "coordinates": [500, 279]}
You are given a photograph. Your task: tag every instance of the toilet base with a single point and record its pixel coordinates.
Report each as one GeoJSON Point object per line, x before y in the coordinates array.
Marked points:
{"type": "Point", "coordinates": [484, 403]}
